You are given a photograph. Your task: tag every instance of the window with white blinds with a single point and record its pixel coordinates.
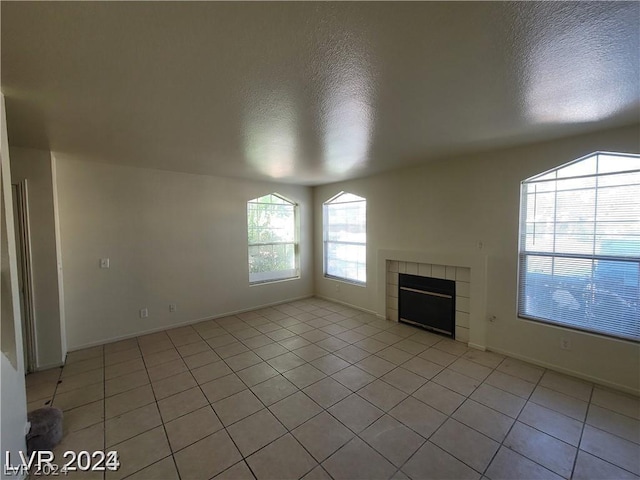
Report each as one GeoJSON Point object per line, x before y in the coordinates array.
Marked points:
{"type": "Point", "coordinates": [580, 245]}
{"type": "Point", "coordinates": [271, 227]}
{"type": "Point", "coordinates": [345, 238]}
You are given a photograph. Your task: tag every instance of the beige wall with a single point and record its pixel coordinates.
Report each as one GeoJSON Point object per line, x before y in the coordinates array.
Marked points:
{"type": "Point", "coordinates": [13, 414]}
{"type": "Point", "coordinates": [171, 238]}
{"type": "Point", "coordinates": [451, 205]}
{"type": "Point", "coordinates": [35, 166]}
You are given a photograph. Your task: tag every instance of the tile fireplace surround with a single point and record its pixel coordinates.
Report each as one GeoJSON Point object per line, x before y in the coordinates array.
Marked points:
{"type": "Point", "coordinates": [467, 270]}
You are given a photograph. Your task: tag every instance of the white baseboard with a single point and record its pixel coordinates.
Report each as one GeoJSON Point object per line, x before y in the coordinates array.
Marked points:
{"type": "Point", "coordinates": [567, 371]}
{"type": "Point", "coordinates": [48, 366]}
{"type": "Point", "coordinates": [355, 307]}
{"type": "Point", "coordinates": [179, 324]}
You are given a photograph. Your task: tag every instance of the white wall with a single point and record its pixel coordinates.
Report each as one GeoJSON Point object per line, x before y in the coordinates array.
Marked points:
{"type": "Point", "coordinates": [451, 205]}
{"type": "Point", "coordinates": [35, 167]}
{"type": "Point", "coordinates": [171, 238]}
{"type": "Point", "coordinates": [13, 414]}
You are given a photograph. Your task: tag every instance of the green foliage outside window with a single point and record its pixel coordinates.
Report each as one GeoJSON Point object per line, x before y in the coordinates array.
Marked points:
{"type": "Point", "coordinates": [271, 236]}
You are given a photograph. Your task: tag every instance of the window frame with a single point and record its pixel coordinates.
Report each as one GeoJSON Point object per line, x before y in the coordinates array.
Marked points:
{"type": "Point", "coordinates": [261, 278]}
{"type": "Point", "coordinates": [326, 242]}
{"type": "Point", "coordinates": [524, 253]}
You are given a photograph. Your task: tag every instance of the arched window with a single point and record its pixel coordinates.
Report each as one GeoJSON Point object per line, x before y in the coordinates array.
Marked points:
{"type": "Point", "coordinates": [345, 238]}
{"type": "Point", "coordinates": [580, 245]}
{"type": "Point", "coordinates": [273, 246]}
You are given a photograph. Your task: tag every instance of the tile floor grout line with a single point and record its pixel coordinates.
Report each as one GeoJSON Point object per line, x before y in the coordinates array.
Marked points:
{"type": "Point", "coordinates": [326, 410]}
{"type": "Point", "coordinates": [637, 419]}
{"type": "Point", "coordinates": [555, 410]}
{"type": "Point", "coordinates": [450, 416]}
{"type": "Point", "coordinates": [164, 428]}
{"type": "Point", "coordinates": [357, 434]}
{"type": "Point", "coordinates": [55, 389]}
{"type": "Point", "coordinates": [287, 431]}
{"type": "Point", "coordinates": [225, 427]}
{"type": "Point", "coordinates": [290, 431]}
{"type": "Point", "coordinates": [318, 327]}
{"type": "Point", "coordinates": [511, 428]}
{"type": "Point", "coordinates": [209, 404]}
{"type": "Point", "coordinates": [609, 433]}
{"type": "Point", "coordinates": [584, 423]}
{"type": "Point", "coordinates": [593, 454]}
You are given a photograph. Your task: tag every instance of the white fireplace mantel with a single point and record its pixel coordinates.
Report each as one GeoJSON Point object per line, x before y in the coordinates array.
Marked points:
{"type": "Point", "coordinates": [478, 284]}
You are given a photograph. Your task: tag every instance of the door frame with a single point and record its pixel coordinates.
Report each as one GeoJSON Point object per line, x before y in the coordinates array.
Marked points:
{"type": "Point", "coordinates": [25, 274]}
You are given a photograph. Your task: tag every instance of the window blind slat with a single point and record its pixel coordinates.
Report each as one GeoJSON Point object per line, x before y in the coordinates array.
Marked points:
{"type": "Point", "coordinates": [580, 248]}
{"type": "Point", "coordinates": [345, 238]}
{"type": "Point", "coordinates": [272, 248]}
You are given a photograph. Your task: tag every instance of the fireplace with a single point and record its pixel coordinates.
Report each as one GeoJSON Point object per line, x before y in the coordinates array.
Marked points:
{"type": "Point", "coordinates": [468, 270]}
{"type": "Point", "coordinates": [427, 302]}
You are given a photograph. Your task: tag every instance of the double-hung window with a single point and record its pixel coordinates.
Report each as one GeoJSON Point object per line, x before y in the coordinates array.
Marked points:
{"type": "Point", "coordinates": [580, 245]}
{"type": "Point", "coordinates": [273, 248]}
{"type": "Point", "coordinates": [345, 238]}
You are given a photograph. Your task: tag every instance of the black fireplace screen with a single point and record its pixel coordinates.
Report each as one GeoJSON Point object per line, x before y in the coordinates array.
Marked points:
{"type": "Point", "coordinates": [428, 302]}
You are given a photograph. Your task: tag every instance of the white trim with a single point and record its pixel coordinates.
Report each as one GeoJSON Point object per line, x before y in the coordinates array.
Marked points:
{"type": "Point", "coordinates": [567, 371]}
{"type": "Point", "coordinates": [617, 321]}
{"type": "Point", "coordinates": [276, 194]}
{"type": "Point", "coordinates": [29, 316]}
{"type": "Point", "coordinates": [326, 242]}
{"type": "Point", "coordinates": [338, 195]}
{"type": "Point", "coordinates": [56, 219]}
{"type": "Point", "coordinates": [185, 323]}
{"type": "Point", "coordinates": [259, 278]}
{"type": "Point", "coordinates": [355, 307]}
{"type": "Point", "coordinates": [49, 366]}
{"type": "Point", "coordinates": [578, 160]}
{"type": "Point", "coordinates": [279, 280]}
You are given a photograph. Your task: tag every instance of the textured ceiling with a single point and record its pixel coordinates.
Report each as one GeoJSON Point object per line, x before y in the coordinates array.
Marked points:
{"type": "Point", "coordinates": [311, 93]}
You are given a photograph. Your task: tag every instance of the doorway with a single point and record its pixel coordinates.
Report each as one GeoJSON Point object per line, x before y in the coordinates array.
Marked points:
{"type": "Point", "coordinates": [25, 282]}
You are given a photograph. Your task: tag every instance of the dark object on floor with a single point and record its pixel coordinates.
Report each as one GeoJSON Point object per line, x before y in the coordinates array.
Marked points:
{"type": "Point", "coordinates": [46, 429]}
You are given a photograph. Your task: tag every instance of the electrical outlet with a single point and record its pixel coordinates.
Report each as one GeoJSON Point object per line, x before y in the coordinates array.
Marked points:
{"type": "Point", "coordinates": [104, 263]}
{"type": "Point", "coordinates": [172, 307]}
{"type": "Point", "coordinates": [565, 344]}
{"type": "Point", "coordinates": [144, 312]}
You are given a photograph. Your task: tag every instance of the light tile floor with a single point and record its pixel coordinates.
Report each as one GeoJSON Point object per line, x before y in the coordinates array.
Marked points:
{"type": "Point", "coordinates": [312, 389]}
